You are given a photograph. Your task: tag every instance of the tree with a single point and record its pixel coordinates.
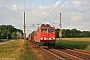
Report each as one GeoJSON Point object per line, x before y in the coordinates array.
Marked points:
{"type": "Point", "coordinates": [63, 33]}
{"type": "Point", "coordinates": [4, 34]}
{"type": "Point", "coordinates": [0, 34]}
{"type": "Point", "coordinates": [67, 33]}
{"type": "Point", "coordinates": [7, 30]}
{"type": "Point", "coordinates": [9, 35]}
{"type": "Point", "coordinates": [13, 35]}
{"type": "Point", "coordinates": [57, 33]}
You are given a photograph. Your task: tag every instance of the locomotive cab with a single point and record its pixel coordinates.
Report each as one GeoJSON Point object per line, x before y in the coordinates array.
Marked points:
{"type": "Point", "coordinates": [47, 36]}
{"type": "Point", "coordinates": [44, 35]}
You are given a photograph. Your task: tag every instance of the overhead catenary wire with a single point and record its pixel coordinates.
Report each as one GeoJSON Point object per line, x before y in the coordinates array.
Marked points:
{"type": "Point", "coordinates": [76, 8]}
{"type": "Point", "coordinates": [71, 12]}
{"type": "Point", "coordinates": [53, 10]}
{"type": "Point", "coordinates": [52, 5]}
{"type": "Point", "coordinates": [49, 8]}
{"type": "Point", "coordinates": [78, 14]}
{"type": "Point", "coordinates": [68, 6]}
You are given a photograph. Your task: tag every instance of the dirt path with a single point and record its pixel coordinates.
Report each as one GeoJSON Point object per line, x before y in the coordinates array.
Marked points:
{"type": "Point", "coordinates": [6, 42]}
{"type": "Point", "coordinates": [36, 50]}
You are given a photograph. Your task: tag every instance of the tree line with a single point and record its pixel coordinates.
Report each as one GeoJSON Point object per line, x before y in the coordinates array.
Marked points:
{"type": "Point", "coordinates": [8, 32]}
{"type": "Point", "coordinates": [72, 33]}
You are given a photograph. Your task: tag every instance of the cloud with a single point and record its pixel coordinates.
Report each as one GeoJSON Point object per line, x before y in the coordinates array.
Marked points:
{"type": "Point", "coordinates": [11, 12]}
{"type": "Point", "coordinates": [14, 7]}
{"type": "Point", "coordinates": [77, 3]}
{"type": "Point", "coordinates": [77, 18]}
{"type": "Point", "coordinates": [81, 26]}
{"type": "Point", "coordinates": [40, 7]}
{"type": "Point", "coordinates": [57, 3]}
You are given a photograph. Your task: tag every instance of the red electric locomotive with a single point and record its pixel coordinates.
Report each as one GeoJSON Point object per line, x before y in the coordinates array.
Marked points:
{"type": "Point", "coordinates": [44, 35]}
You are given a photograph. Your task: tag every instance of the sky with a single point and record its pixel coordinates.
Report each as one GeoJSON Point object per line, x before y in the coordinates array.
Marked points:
{"type": "Point", "coordinates": [75, 14]}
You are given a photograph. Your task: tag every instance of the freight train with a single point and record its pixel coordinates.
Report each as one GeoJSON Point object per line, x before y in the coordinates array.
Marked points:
{"type": "Point", "coordinates": [45, 35]}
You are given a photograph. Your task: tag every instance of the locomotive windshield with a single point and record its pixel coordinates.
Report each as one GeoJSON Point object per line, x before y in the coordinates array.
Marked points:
{"type": "Point", "coordinates": [44, 30]}
{"type": "Point", "coordinates": [49, 30]}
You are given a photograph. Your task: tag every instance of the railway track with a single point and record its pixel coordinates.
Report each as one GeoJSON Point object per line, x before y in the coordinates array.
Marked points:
{"type": "Point", "coordinates": [62, 54]}
{"type": "Point", "coordinates": [82, 51]}
{"type": "Point", "coordinates": [67, 54]}
{"type": "Point", "coordinates": [78, 53]}
{"type": "Point", "coordinates": [51, 56]}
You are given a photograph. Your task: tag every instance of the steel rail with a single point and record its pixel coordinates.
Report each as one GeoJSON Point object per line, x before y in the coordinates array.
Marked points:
{"type": "Point", "coordinates": [60, 58]}
{"type": "Point", "coordinates": [81, 54]}
{"type": "Point", "coordinates": [68, 55]}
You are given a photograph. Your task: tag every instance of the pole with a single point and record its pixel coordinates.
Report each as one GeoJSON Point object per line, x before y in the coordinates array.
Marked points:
{"type": "Point", "coordinates": [60, 33]}
{"type": "Point", "coordinates": [24, 28]}
{"type": "Point", "coordinates": [24, 23]}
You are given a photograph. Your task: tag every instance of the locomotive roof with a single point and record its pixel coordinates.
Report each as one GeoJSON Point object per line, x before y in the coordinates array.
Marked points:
{"type": "Point", "coordinates": [45, 25]}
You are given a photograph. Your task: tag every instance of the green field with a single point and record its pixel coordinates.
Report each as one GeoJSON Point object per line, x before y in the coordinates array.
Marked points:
{"type": "Point", "coordinates": [16, 50]}
{"type": "Point", "coordinates": [19, 51]}
{"type": "Point", "coordinates": [80, 43]}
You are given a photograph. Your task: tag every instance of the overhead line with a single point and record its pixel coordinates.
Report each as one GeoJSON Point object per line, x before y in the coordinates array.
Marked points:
{"type": "Point", "coordinates": [49, 9]}
{"type": "Point", "coordinates": [52, 5]}
{"type": "Point", "coordinates": [53, 10]}
{"type": "Point", "coordinates": [78, 13]}
{"type": "Point", "coordinates": [76, 8]}
{"type": "Point", "coordinates": [69, 6]}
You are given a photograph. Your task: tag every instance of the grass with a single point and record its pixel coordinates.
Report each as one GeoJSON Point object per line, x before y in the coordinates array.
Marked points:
{"type": "Point", "coordinates": [11, 49]}
{"type": "Point", "coordinates": [21, 51]}
{"type": "Point", "coordinates": [17, 50]}
{"type": "Point", "coordinates": [76, 39]}
{"type": "Point", "coordinates": [80, 43]}
{"type": "Point", "coordinates": [28, 53]}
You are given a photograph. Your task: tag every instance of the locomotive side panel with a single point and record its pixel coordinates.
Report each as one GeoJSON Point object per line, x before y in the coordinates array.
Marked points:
{"type": "Point", "coordinates": [31, 37]}
{"type": "Point", "coordinates": [38, 35]}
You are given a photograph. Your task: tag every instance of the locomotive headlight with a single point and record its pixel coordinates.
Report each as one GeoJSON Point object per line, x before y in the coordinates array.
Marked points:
{"type": "Point", "coordinates": [49, 38]}
{"type": "Point", "coordinates": [53, 38]}
{"type": "Point", "coordinates": [41, 38]}
{"type": "Point", "coordinates": [44, 38]}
